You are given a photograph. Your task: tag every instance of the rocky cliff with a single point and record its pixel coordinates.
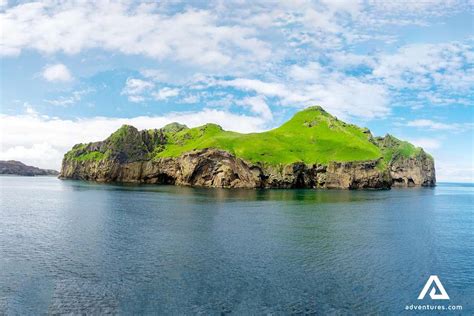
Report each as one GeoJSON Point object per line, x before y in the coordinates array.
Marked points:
{"type": "Point", "coordinates": [18, 168]}
{"type": "Point", "coordinates": [164, 156]}
{"type": "Point", "coordinates": [416, 169]}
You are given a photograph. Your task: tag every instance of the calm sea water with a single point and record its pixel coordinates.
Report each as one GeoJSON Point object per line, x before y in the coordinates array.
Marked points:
{"type": "Point", "coordinates": [77, 247]}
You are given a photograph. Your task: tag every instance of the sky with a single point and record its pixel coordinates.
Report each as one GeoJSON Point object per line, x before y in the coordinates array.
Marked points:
{"type": "Point", "coordinates": [75, 71]}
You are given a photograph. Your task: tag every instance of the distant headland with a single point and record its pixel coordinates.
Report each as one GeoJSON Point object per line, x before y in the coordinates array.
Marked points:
{"type": "Point", "coordinates": [13, 167]}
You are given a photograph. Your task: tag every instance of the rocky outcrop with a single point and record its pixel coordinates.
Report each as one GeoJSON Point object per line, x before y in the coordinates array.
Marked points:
{"type": "Point", "coordinates": [217, 168]}
{"type": "Point", "coordinates": [416, 170]}
{"type": "Point", "coordinates": [133, 156]}
{"type": "Point", "coordinates": [18, 168]}
{"type": "Point", "coordinates": [357, 175]}
{"type": "Point", "coordinates": [413, 171]}
{"type": "Point", "coordinates": [207, 168]}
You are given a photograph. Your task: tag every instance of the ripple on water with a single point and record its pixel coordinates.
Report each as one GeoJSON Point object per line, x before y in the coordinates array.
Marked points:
{"type": "Point", "coordinates": [79, 248]}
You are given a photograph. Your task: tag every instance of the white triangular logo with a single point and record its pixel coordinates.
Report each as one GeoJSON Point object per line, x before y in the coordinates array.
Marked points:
{"type": "Point", "coordinates": [443, 295]}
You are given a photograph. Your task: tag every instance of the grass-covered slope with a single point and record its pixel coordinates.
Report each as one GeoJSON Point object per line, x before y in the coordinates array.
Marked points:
{"type": "Point", "coordinates": [311, 136]}
{"type": "Point", "coordinates": [392, 148]}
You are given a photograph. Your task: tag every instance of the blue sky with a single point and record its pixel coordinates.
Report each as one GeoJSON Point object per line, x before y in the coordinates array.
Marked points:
{"type": "Point", "coordinates": [74, 72]}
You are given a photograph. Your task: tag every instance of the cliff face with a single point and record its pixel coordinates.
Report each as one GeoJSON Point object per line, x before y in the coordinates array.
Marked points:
{"type": "Point", "coordinates": [408, 172]}
{"type": "Point", "coordinates": [14, 167]}
{"type": "Point", "coordinates": [417, 170]}
{"type": "Point", "coordinates": [133, 156]}
{"type": "Point", "coordinates": [217, 168]}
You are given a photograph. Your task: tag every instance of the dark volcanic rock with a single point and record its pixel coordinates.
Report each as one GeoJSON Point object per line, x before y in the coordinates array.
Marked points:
{"type": "Point", "coordinates": [14, 167]}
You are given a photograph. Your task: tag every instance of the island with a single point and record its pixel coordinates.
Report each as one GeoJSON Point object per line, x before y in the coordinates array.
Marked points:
{"type": "Point", "coordinates": [13, 167]}
{"type": "Point", "coordinates": [312, 150]}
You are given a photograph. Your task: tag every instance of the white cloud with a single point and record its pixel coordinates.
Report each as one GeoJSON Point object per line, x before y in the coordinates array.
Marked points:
{"type": "Point", "coordinates": [309, 72]}
{"type": "Point", "coordinates": [261, 87]}
{"type": "Point", "coordinates": [352, 7]}
{"type": "Point", "coordinates": [420, 66]}
{"type": "Point", "coordinates": [426, 143]}
{"type": "Point", "coordinates": [316, 20]}
{"type": "Point", "coordinates": [220, 35]}
{"type": "Point", "coordinates": [75, 97]}
{"type": "Point", "coordinates": [61, 101]}
{"type": "Point", "coordinates": [41, 141]}
{"type": "Point", "coordinates": [429, 124]}
{"type": "Point", "coordinates": [454, 172]}
{"type": "Point", "coordinates": [258, 106]}
{"type": "Point", "coordinates": [165, 93]}
{"type": "Point", "coordinates": [42, 154]}
{"type": "Point", "coordinates": [440, 97]}
{"type": "Point", "coordinates": [193, 36]}
{"type": "Point", "coordinates": [350, 97]}
{"type": "Point", "coordinates": [134, 88]}
{"type": "Point", "coordinates": [57, 72]}
{"type": "Point", "coordinates": [191, 99]}
{"type": "Point", "coordinates": [439, 126]}
{"type": "Point", "coordinates": [154, 74]}
{"type": "Point", "coordinates": [342, 95]}
{"type": "Point", "coordinates": [29, 109]}
{"type": "Point", "coordinates": [136, 98]}
{"type": "Point", "coordinates": [343, 60]}
{"type": "Point", "coordinates": [427, 7]}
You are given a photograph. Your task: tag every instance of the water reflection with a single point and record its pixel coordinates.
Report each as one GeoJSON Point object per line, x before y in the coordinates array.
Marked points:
{"type": "Point", "coordinates": [87, 248]}
{"type": "Point", "coordinates": [229, 195]}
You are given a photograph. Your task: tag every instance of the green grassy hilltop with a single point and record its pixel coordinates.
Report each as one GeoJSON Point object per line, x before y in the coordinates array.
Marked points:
{"type": "Point", "coordinates": [311, 136]}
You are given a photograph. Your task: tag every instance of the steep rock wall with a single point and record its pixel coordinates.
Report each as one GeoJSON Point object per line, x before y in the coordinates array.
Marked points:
{"type": "Point", "coordinates": [217, 168]}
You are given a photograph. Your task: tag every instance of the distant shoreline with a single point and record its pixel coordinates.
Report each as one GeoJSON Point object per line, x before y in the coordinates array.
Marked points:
{"type": "Point", "coordinates": [27, 176]}
{"type": "Point", "coordinates": [13, 167]}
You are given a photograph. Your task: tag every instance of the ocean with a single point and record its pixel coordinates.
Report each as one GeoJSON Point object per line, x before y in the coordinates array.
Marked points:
{"type": "Point", "coordinates": [86, 248]}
